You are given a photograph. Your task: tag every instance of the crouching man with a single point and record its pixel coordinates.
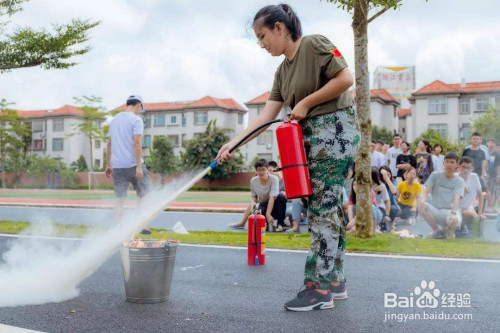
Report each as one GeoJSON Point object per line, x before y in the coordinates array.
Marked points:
{"type": "Point", "coordinates": [265, 191]}
{"type": "Point", "coordinates": [443, 214]}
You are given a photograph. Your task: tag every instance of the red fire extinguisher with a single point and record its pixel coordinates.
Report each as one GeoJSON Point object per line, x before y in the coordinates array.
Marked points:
{"type": "Point", "coordinates": [293, 160]}
{"type": "Point", "coordinates": [256, 252]}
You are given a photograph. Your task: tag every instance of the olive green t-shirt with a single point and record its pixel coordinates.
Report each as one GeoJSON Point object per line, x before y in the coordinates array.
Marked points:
{"type": "Point", "coordinates": [316, 62]}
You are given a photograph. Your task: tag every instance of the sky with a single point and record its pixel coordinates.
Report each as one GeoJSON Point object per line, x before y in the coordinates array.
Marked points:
{"type": "Point", "coordinates": [179, 50]}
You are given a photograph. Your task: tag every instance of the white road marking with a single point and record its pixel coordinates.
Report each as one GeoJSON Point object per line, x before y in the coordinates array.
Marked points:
{"type": "Point", "coordinates": [12, 329]}
{"type": "Point", "coordinates": [239, 248]}
{"type": "Point", "coordinates": [189, 267]}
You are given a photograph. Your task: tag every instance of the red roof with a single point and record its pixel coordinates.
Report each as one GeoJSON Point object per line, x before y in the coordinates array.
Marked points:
{"type": "Point", "coordinates": [207, 101]}
{"type": "Point", "coordinates": [261, 99]}
{"type": "Point", "coordinates": [383, 94]}
{"type": "Point", "coordinates": [66, 110]}
{"type": "Point", "coordinates": [438, 86]}
{"type": "Point", "coordinates": [404, 112]}
{"type": "Point", "coordinates": [377, 93]}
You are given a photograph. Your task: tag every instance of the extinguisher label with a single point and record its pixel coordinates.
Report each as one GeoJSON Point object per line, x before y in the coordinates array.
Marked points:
{"type": "Point", "coordinates": [263, 239]}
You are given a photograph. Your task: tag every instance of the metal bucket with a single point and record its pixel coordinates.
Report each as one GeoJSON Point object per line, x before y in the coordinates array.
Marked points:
{"type": "Point", "coordinates": [148, 266]}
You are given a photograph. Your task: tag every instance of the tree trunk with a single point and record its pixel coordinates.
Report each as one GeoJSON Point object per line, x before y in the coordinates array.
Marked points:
{"type": "Point", "coordinates": [91, 165]}
{"type": "Point", "coordinates": [363, 164]}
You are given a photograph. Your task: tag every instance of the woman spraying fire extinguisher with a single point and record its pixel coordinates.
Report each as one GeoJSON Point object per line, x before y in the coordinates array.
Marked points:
{"type": "Point", "coordinates": [312, 80]}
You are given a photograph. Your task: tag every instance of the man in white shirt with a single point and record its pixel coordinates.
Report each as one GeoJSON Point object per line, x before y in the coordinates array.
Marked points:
{"type": "Point", "coordinates": [124, 155]}
{"type": "Point", "coordinates": [377, 159]}
{"type": "Point", "coordinates": [472, 191]}
{"type": "Point", "coordinates": [446, 189]}
{"type": "Point", "coordinates": [265, 191]}
{"type": "Point", "coordinates": [393, 153]}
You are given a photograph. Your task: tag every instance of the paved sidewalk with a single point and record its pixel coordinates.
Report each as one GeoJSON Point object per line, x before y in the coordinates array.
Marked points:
{"type": "Point", "coordinates": [108, 204]}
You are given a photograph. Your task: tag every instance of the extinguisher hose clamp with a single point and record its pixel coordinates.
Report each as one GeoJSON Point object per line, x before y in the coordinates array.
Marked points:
{"type": "Point", "coordinates": [291, 166]}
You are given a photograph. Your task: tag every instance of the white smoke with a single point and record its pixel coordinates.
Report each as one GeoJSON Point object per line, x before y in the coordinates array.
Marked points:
{"type": "Point", "coordinates": [38, 271]}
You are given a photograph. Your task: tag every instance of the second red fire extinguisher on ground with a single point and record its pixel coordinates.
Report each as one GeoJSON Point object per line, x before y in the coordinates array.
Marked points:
{"type": "Point", "coordinates": [293, 160]}
{"type": "Point", "coordinates": [256, 252]}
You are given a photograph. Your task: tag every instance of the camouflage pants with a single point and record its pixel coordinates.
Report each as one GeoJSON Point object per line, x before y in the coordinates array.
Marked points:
{"type": "Point", "coordinates": [331, 142]}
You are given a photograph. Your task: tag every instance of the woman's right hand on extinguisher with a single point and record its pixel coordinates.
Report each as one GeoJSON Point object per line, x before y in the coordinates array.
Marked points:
{"type": "Point", "coordinates": [224, 155]}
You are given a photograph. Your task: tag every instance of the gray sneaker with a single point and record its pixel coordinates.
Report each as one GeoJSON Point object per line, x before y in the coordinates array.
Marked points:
{"type": "Point", "coordinates": [437, 235]}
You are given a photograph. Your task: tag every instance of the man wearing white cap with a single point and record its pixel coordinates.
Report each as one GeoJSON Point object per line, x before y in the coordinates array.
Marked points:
{"type": "Point", "coordinates": [124, 154]}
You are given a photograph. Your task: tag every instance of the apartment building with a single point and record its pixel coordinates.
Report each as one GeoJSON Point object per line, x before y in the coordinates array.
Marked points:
{"type": "Point", "coordinates": [265, 145]}
{"type": "Point", "coordinates": [450, 109]}
{"type": "Point", "coordinates": [54, 133]}
{"type": "Point", "coordinates": [181, 121]}
{"type": "Point", "coordinates": [383, 109]}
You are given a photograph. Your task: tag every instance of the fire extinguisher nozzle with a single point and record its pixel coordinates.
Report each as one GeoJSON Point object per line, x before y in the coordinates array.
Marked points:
{"type": "Point", "coordinates": [214, 164]}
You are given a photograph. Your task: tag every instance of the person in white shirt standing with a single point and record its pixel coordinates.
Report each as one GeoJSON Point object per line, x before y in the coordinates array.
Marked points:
{"type": "Point", "coordinates": [377, 159]}
{"type": "Point", "coordinates": [124, 155]}
{"type": "Point", "coordinates": [438, 158]}
{"type": "Point", "coordinates": [472, 191]}
{"type": "Point", "coordinates": [393, 153]}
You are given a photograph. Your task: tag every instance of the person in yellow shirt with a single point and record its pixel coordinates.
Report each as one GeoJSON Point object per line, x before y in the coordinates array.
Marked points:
{"type": "Point", "coordinates": [409, 192]}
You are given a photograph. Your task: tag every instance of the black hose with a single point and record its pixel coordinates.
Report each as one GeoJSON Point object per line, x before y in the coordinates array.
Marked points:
{"type": "Point", "coordinates": [252, 132]}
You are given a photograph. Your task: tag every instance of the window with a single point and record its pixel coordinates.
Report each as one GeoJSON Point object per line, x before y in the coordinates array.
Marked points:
{"type": "Point", "coordinates": [200, 118]}
{"type": "Point", "coordinates": [267, 157]}
{"type": "Point", "coordinates": [97, 144]}
{"type": "Point", "coordinates": [442, 129]}
{"type": "Point", "coordinates": [38, 145]}
{"type": "Point", "coordinates": [173, 120]}
{"type": "Point", "coordinates": [265, 138]}
{"type": "Point", "coordinates": [147, 141]}
{"type": "Point", "coordinates": [482, 104]}
{"type": "Point", "coordinates": [465, 106]}
{"type": "Point", "coordinates": [57, 125]}
{"type": "Point", "coordinates": [147, 122]}
{"type": "Point", "coordinates": [438, 106]}
{"type": "Point", "coordinates": [240, 119]}
{"type": "Point", "coordinates": [464, 131]}
{"type": "Point", "coordinates": [57, 144]}
{"type": "Point", "coordinates": [97, 163]}
{"type": "Point", "coordinates": [174, 139]}
{"type": "Point", "coordinates": [159, 120]}
{"type": "Point", "coordinates": [259, 109]}
{"type": "Point", "coordinates": [97, 124]}
{"type": "Point", "coordinates": [38, 126]}
{"type": "Point", "coordinates": [184, 120]}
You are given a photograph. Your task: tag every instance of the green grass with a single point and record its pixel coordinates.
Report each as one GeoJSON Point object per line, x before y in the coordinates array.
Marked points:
{"type": "Point", "coordinates": [384, 243]}
{"type": "Point", "coordinates": [69, 230]}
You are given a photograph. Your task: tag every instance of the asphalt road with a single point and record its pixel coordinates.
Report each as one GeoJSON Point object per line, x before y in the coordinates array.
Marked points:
{"type": "Point", "coordinates": [104, 217]}
{"type": "Point", "coordinates": [213, 290]}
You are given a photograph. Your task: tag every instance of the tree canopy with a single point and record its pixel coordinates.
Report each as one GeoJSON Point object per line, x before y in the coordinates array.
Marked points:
{"type": "Point", "coordinates": [12, 131]}
{"type": "Point", "coordinates": [203, 148]}
{"type": "Point", "coordinates": [163, 159]}
{"type": "Point", "coordinates": [488, 125]}
{"type": "Point", "coordinates": [23, 47]}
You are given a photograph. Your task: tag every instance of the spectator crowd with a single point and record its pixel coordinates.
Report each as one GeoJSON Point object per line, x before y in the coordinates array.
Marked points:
{"type": "Point", "coordinates": [451, 194]}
